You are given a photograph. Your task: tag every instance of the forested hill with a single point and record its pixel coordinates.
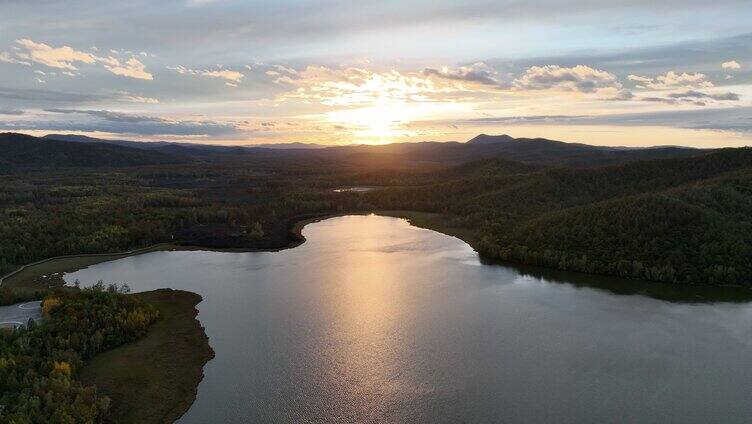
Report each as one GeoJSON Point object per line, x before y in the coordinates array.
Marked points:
{"type": "Point", "coordinates": [20, 152]}
{"type": "Point", "coordinates": [679, 220]}
{"type": "Point", "coordinates": [537, 151]}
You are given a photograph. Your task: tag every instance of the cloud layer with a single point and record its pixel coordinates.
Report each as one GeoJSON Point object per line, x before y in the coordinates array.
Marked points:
{"type": "Point", "coordinates": [232, 78]}
{"type": "Point", "coordinates": [723, 119]}
{"type": "Point", "coordinates": [332, 71]}
{"type": "Point", "coordinates": [68, 59]}
{"type": "Point", "coordinates": [123, 123]}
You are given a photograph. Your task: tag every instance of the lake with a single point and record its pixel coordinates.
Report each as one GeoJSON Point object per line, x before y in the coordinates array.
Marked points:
{"type": "Point", "coordinates": [374, 320]}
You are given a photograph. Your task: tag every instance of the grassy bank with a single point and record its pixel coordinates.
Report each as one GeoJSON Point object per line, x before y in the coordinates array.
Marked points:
{"type": "Point", "coordinates": [48, 273]}
{"type": "Point", "coordinates": [154, 379]}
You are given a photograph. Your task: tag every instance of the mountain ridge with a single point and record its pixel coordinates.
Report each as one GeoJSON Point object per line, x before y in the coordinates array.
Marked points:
{"type": "Point", "coordinates": [21, 152]}
{"type": "Point", "coordinates": [405, 155]}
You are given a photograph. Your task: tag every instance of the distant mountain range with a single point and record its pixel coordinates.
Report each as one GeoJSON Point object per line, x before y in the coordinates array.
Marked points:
{"type": "Point", "coordinates": [20, 152]}
{"type": "Point", "coordinates": [527, 150]}
{"type": "Point", "coordinates": [161, 144]}
{"type": "Point", "coordinates": [65, 150]}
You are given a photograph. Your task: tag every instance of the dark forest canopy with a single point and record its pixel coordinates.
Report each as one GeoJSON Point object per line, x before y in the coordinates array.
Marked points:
{"type": "Point", "coordinates": [684, 218]}
{"type": "Point", "coordinates": [23, 152]}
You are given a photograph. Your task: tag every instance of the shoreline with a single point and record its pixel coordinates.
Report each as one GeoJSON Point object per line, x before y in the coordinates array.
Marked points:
{"type": "Point", "coordinates": [54, 266]}
{"type": "Point", "coordinates": [71, 263]}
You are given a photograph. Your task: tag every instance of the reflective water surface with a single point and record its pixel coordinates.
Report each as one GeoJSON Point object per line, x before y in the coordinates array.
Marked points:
{"type": "Point", "coordinates": [373, 320]}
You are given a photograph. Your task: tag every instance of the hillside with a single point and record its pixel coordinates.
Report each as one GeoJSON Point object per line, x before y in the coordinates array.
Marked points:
{"type": "Point", "coordinates": [675, 220]}
{"type": "Point", "coordinates": [700, 233]}
{"type": "Point", "coordinates": [537, 151]}
{"type": "Point", "coordinates": [86, 139]}
{"type": "Point", "coordinates": [23, 152]}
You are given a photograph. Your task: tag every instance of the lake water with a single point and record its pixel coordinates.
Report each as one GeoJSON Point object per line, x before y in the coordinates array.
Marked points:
{"type": "Point", "coordinates": [373, 320]}
{"type": "Point", "coordinates": [353, 190]}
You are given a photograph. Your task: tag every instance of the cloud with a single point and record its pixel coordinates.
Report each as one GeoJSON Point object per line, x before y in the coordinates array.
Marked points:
{"type": "Point", "coordinates": [475, 83]}
{"type": "Point", "coordinates": [480, 83]}
{"type": "Point", "coordinates": [45, 96]}
{"type": "Point", "coordinates": [14, 112]}
{"type": "Point", "coordinates": [8, 58]}
{"type": "Point", "coordinates": [692, 94]}
{"type": "Point", "coordinates": [528, 119]}
{"type": "Point", "coordinates": [273, 70]}
{"type": "Point", "coordinates": [127, 97]}
{"type": "Point", "coordinates": [734, 119]}
{"type": "Point", "coordinates": [60, 57]}
{"type": "Point", "coordinates": [579, 78]}
{"type": "Point", "coordinates": [125, 123]}
{"type": "Point", "coordinates": [672, 80]}
{"type": "Point", "coordinates": [285, 69]}
{"type": "Point", "coordinates": [183, 70]}
{"type": "Point", "coordinates": [731, 65]}
{"type": "Point", "coordinates": [361, 87]}
{"type": "Point", "coordinates": [673, 101]}
{"type": "Point", "coordinates": [692, 89]}
{"type": "Point", "coordinates": [67, 58]}
{"type": "Point", "coordinates": [622, 95]}
{"type": "Point", "coordinates": [478, 72]}
{"type": "Point", "coordinates": [696, 98]}
{"type": "Point", "coordinates": [132, 68]}
{"type": "Point", "coordinates": [226, 74]}
{"type": "Point", "coordinates": [640, 80]}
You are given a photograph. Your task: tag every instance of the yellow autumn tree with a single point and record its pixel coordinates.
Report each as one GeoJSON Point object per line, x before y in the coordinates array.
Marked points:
{"type": "Point", "coordinates": [49, 304]}
{"type": "Point", "coordinates": [62, 368]}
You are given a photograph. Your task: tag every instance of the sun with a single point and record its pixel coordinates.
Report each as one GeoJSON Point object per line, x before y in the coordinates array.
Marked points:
{"type": "Point", "coordinates": [379, 123]}
{"type": "Point", "coordinates": [381, 108]}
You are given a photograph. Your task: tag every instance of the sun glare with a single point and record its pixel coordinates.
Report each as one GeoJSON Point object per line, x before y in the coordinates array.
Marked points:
{"type": "Point", "coordinates": [378, 108]}
{"type": "Point", "coordinates": [388, 115]}
{"type": "Point", "coordinates": [378, 124]}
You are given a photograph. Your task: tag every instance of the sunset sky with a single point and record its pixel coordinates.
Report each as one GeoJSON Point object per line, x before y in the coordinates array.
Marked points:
{"type": "Point", "coordinates": [336, 72]}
